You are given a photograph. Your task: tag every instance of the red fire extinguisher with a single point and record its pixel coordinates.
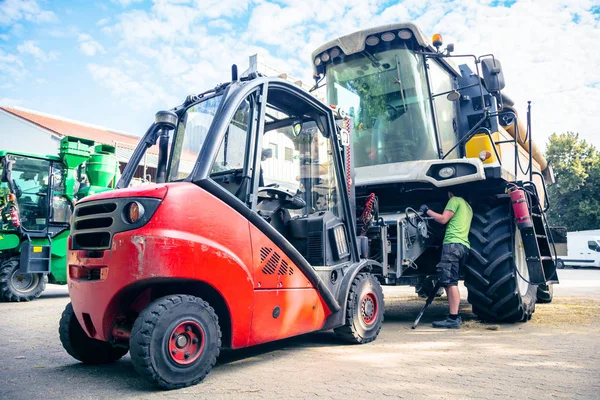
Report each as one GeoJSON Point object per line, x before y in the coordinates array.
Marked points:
{"type": "Point", "coordinates": [521, 208]}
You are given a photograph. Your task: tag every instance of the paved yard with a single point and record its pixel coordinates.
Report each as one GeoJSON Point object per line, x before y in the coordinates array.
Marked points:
{"type": "Point", "coordinates": [556, 355]}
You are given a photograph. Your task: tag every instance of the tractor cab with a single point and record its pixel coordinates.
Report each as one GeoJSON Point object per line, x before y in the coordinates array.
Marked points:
{"type": "Point", "coordinates": [37, 196]}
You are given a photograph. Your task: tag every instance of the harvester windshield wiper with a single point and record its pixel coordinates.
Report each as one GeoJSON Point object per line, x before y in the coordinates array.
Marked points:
{"type": "Point", "coordinates": [399, 82]}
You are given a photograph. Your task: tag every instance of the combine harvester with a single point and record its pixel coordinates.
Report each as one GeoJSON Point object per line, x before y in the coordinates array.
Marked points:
{"type": "Point", "coordinates": [419, 126]}
{"type": "Point", "coordinates": [258, 240]}
{"type": "Point", "coordinates": [38, 193]}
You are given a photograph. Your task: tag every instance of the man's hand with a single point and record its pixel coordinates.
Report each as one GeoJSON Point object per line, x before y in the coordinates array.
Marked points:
{"type": "Point", "coordinates": [424, 209]}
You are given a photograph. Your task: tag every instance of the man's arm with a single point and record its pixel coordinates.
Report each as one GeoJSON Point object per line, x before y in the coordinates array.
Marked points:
{"type": "Point", "coordinates": [441, 218]}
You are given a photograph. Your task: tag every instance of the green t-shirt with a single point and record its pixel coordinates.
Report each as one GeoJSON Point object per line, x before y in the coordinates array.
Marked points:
{"type": "Point", "coordinates": [458, 227]}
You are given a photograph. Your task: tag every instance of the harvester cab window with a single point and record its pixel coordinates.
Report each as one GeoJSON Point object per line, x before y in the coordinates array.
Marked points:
{"type": "Point", "coordinates": [388, 100]}
{"type": "Point", "coordinates": [441, 81]}
{"type": "Point", "coordinates": [228, 167]}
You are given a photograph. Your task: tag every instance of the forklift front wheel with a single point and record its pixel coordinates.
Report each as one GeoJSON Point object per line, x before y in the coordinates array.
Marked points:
{"type": "Point", "coordinates": [15, 286]}
{"type": "Point", "coordinates": [175, 341]}
{"type": "Point", "coordinates": [364, 311]}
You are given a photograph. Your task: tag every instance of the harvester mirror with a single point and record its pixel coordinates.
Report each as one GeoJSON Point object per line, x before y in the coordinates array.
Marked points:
{"type": "Point", "coordinates": [493, 78]}
{"type": "Point", "coordinates": [453, 95]}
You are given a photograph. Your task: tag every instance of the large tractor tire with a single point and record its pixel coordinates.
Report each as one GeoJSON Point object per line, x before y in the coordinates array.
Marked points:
{"type": "Point", "coordinates": [545, 293]}
{"type": "Point", "coordinates": [82, 347]}
{"type": "Point", "coordinates": [496, 273]}
{"type": "Point", "coordinates": [364, 311]}
{"type": "Point", "coordinates": [175, 341]}
{"type": "Point", "coordinates": [15, 286]}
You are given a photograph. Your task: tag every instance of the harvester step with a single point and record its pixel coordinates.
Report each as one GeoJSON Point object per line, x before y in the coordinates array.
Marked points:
{"type": "Point", "coordinates": [541, 236]}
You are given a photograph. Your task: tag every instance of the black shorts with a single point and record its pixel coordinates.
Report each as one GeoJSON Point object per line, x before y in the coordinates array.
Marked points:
{"type": "Point", "coordinates": [454, 256]}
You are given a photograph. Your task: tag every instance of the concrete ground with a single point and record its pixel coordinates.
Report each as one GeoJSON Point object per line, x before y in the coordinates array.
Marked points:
{"type": "Point", "coordinates": [555, 355]}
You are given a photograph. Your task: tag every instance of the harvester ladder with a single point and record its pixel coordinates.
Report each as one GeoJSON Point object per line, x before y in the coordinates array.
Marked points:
{"type": "Point", "coordinates": [537, 240]}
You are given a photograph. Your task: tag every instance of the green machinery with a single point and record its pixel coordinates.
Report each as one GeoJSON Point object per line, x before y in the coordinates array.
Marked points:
{"type": "Point", "coordinates": [37, 195]}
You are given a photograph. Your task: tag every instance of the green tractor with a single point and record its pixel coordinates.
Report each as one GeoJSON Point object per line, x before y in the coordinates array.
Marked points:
{"type": "Point", "coordinates": [37, 195]}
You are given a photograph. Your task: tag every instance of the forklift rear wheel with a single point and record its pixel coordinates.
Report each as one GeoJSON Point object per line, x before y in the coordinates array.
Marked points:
{"type": "Point", "coordinates": [545, 293]}
{"type": "Point", "coordinates": [364, 311]}
{"type": "Point", "coordinates": [15, 286]}
{"type": "Point", "coordinates": [82, 347]}
{"type": "Point", "coordinates": [496, 273]}
{"type": "Point", "coordinates": [175, 341]}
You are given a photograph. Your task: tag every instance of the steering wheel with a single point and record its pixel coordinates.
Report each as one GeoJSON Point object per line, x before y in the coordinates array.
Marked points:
{"type": "Point", "coordinates": [288, 199]}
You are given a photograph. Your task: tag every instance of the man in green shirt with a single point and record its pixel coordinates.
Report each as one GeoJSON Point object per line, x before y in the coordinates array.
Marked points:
{"type": "Point", "coordinates": [455, 251]}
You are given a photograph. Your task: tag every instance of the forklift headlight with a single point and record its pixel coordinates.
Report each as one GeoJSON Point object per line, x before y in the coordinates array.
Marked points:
{"type": "Point", "coordinates": [134, 212]}
{"type": "Point", "coordinates": [341, 242]}
{"type": "Point", "coordinates": [446, 172]}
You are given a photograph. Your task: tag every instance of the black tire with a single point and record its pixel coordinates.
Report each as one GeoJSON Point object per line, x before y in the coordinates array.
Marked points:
{"type": "Point", "coordinates": [560, 264]}
{"type": "Point", "coordinates": [425, 288]}
{"type": "Point", "coordinates": [364, 310]}
{"type": "Point", "coordinates": [154, 337]}
{"type": "Point", "coordinates": [495, 289]}
{"type": "Point", "coordinates": [545, 293]}
{"type": "Point", "coordinates": [82, 347]}
{"type": "Point", "coordinates": [10, 279]}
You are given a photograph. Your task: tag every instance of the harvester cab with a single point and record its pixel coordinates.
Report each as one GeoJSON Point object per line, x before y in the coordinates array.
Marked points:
{"type": "Point", "coordinates": [246, 237]}
{"type": "Point", "coordinates": [420, 126]}
{"type": "Point", "coordinates": [38, 193]}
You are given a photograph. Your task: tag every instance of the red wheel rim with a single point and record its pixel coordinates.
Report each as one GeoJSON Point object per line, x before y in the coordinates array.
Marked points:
{"type": "Point", "coordinates": [186, 342]}
{"type": "Point", "coordinates": [368, 308]}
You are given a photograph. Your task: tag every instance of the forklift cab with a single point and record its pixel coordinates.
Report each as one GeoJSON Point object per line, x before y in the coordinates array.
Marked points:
{"type": "Point", "coordinates": [269, 150]}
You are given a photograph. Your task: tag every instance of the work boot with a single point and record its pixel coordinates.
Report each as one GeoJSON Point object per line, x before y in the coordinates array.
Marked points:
{"type": "Point", "coordinates": [448, 323]}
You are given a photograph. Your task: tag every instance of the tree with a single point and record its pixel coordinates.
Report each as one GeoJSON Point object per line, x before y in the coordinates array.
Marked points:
{"type": "Point", "coordinates": [575, 197]}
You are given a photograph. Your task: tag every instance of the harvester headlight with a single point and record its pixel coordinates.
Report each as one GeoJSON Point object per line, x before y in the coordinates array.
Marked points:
{"type": "Point", "coordinates": [134, 212]}
{"type": "Point", "coordinates": [318, 61]}
{"type": "Point", "coordinates": [446, 172]}
{"type": "Point", "coordinates": [334, 53]}
{"type": "Point", "coordinates": [325, 57]}
{"type": "Point", "coordinates": [388, 36]}
{"type": "Point", "coordinates": [405, 34]}
{"type": "Point", "coordinates": [484, 155]}
{"type": "Point", "coordinates": [372, 40]}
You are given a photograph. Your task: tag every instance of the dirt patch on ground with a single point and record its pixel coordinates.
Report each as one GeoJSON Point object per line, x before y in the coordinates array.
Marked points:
{"type": "Point", "coordinates": [567, 311]}
{"type": "Point", "coordinates": [571, 311]}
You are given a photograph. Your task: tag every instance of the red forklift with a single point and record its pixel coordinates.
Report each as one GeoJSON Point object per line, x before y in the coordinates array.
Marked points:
{"type": "Point", "coordinates": [247, 237]}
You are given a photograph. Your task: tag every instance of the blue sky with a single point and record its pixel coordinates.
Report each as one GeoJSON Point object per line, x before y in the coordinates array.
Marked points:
{"type": "Point", "coordinates": [116, 62]}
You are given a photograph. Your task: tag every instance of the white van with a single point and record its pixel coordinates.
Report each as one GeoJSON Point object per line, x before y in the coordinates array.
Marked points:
{"type": "Point", "coordinates": [583, 249]}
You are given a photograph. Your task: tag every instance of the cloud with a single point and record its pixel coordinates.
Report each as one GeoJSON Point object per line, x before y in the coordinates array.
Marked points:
{"type": "Point", "coordinates": [103, 21]}
{"type": "Point", "coordinates": [12, 11]}
{"type": "Point", "coordinates": [30, 47]}
{"type": "Point", "coordinates": [139, 95]}
{"type": "Point", "coordinates": [126, 3]}
{"type": "Point", "coordinates": [12, 67]}
{"type": "Point", "coordinates": [4, 37]}
{"type": "Point", "coordinates": [89, 46]}
{"type": "Point", "coordinates": [7, 101]}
